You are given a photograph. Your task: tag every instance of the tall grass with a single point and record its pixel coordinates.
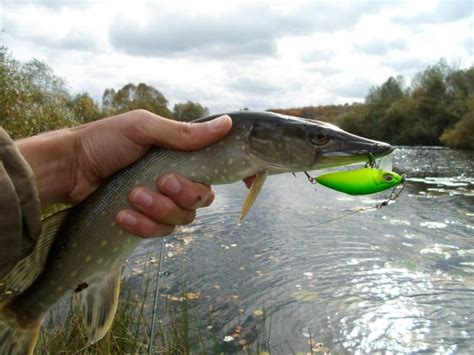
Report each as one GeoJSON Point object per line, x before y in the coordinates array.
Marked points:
{"type": "Point", "coordinates": [178, 329]}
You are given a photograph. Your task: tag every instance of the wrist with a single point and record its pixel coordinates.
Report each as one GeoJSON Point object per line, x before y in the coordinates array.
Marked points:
{"type": "Point", "coordinates": [51, 156]}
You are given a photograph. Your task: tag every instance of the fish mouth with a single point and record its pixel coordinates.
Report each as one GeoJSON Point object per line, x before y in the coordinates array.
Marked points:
{"type": "Point", "coordinates": [350, 149]}
{"type": "Point", "coordinates": [376, 149]}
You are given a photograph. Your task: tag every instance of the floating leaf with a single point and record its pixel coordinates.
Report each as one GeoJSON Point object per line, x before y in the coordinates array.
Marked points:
{"type": "Point", "coordinates": [305, 296]}
{"type": "Point", "coordinates": [258, 312]}
{"type": "Point", "coordinates": [191, 296]}
{"type": "Point", "coordinates": [319, 348]}
{"type": "Point", "coordinates": [174, 298]}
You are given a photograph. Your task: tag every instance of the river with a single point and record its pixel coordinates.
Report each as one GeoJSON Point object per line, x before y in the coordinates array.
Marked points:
{"type": "Point", "coordinates": [396, 279]}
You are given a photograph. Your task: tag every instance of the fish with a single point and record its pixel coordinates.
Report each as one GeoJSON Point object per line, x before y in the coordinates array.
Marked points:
{"type": "Point", "coordinates": [81, 250]}
{"type": "Point", "coordinates": [363, 181]}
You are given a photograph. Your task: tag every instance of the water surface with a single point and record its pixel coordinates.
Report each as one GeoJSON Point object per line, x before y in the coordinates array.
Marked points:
{"type": "Point", "coordinates": [397, 279]}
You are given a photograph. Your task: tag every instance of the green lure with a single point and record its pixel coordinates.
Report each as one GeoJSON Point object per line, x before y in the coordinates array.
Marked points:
{"type": "Point", "coordinates": [362, 181]}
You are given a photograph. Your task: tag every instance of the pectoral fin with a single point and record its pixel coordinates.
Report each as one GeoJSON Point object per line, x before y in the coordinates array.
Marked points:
{"type": "Point", "coordinates": [99, 303]}
{"type": "Point", "coordinates": [253, 193]}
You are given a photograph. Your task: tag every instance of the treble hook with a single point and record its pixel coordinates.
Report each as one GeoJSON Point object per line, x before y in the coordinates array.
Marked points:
{"type": "Point", "coordinates": [393, 195]}
{"type": "Point", "coordinates": [310, 178]}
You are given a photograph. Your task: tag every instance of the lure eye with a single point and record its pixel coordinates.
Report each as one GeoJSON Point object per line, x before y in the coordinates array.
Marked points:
{"type": "Point", "coordinates": [319, 138]}
{"type": "Point", "coordinates": [388, 177]}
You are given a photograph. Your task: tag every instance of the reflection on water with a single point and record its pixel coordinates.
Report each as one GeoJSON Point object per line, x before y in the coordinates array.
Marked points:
{"type": "Point", "coordinates": [397, 279]}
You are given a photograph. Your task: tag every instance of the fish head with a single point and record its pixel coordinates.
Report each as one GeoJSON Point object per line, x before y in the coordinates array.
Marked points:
{"type": "Point", "coordinates": [336, 147]}
{"type": "Point", "coordinates": [295, 144]}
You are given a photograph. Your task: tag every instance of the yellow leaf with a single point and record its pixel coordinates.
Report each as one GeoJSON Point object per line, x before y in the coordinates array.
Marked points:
{"type": "Point", "coordinates": [305, 296]}
{"type": "Point", "coordinates": [258, 312]}
{"type": "Point", "coordinates": [191, 296]}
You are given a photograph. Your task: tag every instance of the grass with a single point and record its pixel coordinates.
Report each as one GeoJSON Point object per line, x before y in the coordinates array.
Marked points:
{"type": "Point", "coordinates": [178, 330]}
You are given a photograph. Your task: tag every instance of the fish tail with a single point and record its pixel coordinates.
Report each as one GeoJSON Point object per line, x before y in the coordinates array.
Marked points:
{"type": "Point", "coordinates": [15, 338]}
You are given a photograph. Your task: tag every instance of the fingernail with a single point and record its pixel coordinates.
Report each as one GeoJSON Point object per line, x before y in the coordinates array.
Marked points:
{"type": "Point", "coordinates": [219, 122]}
{"type": "Point", "coordinates": [127, 219]}
{"type": "Point", "coordinates": [171, 184]}
{"type": "Point", "coordinates": [142, 198]}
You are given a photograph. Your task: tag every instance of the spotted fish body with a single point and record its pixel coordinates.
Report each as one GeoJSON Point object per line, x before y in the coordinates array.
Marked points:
{"type": "Point", "coordinates": [82, 249]}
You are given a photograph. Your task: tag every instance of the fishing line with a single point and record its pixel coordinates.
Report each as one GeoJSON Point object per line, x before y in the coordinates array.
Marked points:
{"type": "Point", "coordinates": [371, 163]}
{"type": "Point", "coordinates": [155, 301]}
{"type": "Point", "coordinates": [397, 190]}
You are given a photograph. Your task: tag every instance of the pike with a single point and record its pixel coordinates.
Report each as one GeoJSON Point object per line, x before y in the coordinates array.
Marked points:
{"type": "Point", "coordinates": [81, 250]}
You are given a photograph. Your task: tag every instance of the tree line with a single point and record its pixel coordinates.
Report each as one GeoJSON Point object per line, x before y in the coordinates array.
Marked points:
{"type": "Point", "coordinates": [437, 108]}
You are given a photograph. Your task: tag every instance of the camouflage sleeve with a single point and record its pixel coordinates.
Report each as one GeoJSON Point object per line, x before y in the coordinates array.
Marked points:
{"type": "Point", "coordinates": [20, 212]}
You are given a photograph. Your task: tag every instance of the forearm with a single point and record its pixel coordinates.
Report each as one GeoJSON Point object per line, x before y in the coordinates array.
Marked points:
{"type": "Point", "coordinates": [51, 156]}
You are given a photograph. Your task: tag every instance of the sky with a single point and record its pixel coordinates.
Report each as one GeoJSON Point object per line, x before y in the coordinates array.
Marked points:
{"type": "Point", "coordinates": [228, 55]}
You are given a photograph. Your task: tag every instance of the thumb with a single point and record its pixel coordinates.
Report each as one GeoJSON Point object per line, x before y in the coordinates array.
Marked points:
{"type": "Point", "coordinates": [186, 135]}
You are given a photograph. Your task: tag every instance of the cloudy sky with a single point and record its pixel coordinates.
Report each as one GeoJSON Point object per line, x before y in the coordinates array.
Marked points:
{"type": "Point", "coordinates": [233, 54]}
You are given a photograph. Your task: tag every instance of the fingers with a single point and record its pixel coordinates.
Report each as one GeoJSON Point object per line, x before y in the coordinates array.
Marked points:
{"type": "Point", "coordinates": [164, 132]}
{"type": "Point", "coordinates": [185, 193]}
{"type": "Point", "coordinates": [160, 207]}
{"type": "Point", "coordinates": [139, 224]}
{"type": "Point", "coordinates": [158, 213]}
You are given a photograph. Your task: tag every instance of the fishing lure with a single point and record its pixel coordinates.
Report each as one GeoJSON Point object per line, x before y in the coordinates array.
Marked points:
{"type": "Point", "coordinates": [364, 181]}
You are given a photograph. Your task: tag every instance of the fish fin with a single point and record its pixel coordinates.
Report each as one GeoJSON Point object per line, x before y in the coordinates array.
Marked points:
{"type": "Point", "coordinates": [253, 193]}
{"type": "Point", "coordinates": [99, 303]}
{"type": "Point", "coordinates": [29, 268]}
{"type": "Point", "coordinates": [15, 339]}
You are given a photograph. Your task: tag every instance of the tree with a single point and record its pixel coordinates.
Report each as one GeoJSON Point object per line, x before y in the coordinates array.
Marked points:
{"type": "Point", "coordinates": [384, 95]}
{"type": "Point", "coordinates": [189, 111]}
{"type": "Point", "coordinates": [85, 109]}
{"type": "Point", "coordinates": [462, 134]}
{"type": "Point", "coordinates": [107, 99]}
{"type": "Point", "coordinates": [432, 82]}
{"type": "Point", "coordinates": [33, 99]}
{"type": "Point", "coordinates": [131, 97]}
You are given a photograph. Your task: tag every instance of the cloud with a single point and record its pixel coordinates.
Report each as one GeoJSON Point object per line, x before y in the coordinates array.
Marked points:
{"type": "Point", "coordinates": [354, 89]}
{"type": "Point", "coordinates": [381, 47]}
{"type": "Point", "coordinates": [445, 11]}
{"type": "Point", "coordinates": [53, 27]}
{"type": "Point", "coordinates": [253, 86]}
{"type": "Point", "coordinates": [244, 53]}
{"type": "Point", "coordinates": [247, 31]}
{"type": "Point", "coordinates": [406, 65]}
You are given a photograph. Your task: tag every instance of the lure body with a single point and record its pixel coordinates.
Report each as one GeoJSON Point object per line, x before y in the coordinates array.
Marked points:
{"type": "Point", "coordinates": [364, 181]}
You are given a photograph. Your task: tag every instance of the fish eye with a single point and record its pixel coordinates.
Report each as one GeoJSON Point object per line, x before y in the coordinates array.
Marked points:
{"type": "Point", "coordinates": [388, 177]}
{"type": "Point", "coordinates": [319, 138]}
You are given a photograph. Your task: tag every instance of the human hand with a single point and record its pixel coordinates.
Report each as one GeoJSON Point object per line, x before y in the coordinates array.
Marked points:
{"type": "Point", "coordinates": [86, 155]}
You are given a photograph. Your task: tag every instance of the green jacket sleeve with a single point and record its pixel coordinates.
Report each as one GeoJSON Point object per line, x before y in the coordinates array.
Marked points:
{"type": "Point", "coordinates": [20, 211]}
